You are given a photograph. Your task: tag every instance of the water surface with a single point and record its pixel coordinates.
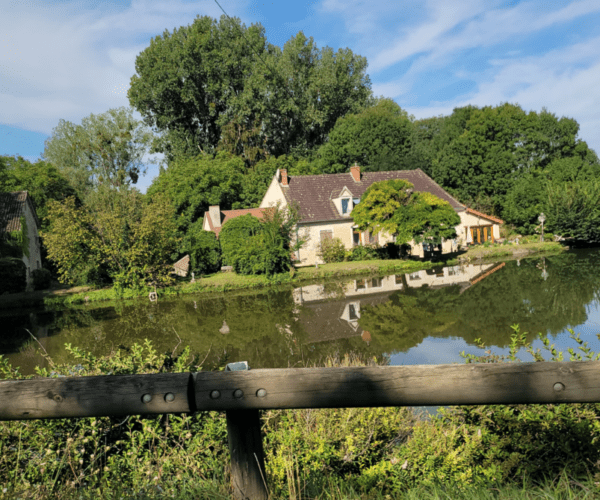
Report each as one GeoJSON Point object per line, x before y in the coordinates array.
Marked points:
{"type": "Point", "coordinates": [420, 318]}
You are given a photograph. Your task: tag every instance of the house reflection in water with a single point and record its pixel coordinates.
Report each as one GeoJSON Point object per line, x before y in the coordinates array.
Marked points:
{"type": "Point", "coordinates": [332, 311]}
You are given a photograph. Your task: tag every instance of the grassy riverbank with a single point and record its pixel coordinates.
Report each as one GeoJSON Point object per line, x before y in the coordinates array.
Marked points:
{"type": "Point", "coordinates": [228, 281]}
{"type": "Point", "coordinates": [485, 452]}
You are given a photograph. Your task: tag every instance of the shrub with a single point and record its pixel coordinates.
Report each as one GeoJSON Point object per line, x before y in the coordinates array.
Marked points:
{"type": "Point", "coordinates": [366, 252]}
{"type": "Point", "coordinates": [41, 279]}
{"type": "Point", "coordinates": [13, 275]}
{"type": "Point", "coordinates": [235, 235]}
{"type": "Point", "coordinates": [204, 249]}
{"type": "Point", "coordinates": [332, 250]}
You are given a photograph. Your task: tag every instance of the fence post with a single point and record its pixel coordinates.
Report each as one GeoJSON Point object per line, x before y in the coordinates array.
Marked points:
{"type": "Point", "coordinates": [245, 448]}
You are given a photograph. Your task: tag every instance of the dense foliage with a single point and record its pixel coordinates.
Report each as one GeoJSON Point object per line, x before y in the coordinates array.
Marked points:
{"type": "Point", "coordinates": [13, 275]}
{"type": "Point", "coordinates": [106, 149]}
{"type": "Point", "coordinates": [216, 84]}
{"type": "Point", "coordinates": [128, 237]}
{"type": "Point", "coordinates": [203, 248]}
{"type": "Point", "coordinates": [388, 450]}
{"type": "Point", "coordinates": [395, 208]}
{"type": "Point", "coordinates": [260, 247]}
{"type": "Point", "coordinates": [377, 138]}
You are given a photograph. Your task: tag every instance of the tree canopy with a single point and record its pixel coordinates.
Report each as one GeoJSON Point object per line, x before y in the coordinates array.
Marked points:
{"type": "Point", "coordinates": [395, 208]}
{"type": "Point", "coordinates": [106, 149]}
{"type": "Point", "coordinates": [377, 138]}
{"type": "Point", "coordinates": [217, 84]}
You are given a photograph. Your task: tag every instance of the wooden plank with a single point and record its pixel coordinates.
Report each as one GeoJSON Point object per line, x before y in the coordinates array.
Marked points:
{"type": "Point", "coordinates": [419, 385]}
{"type": "Point", "coordinates": [486, 383]}
{"type": "Point", "coordinates": [248, 478]}
{"type": "Point", "coordinates": [95, 396]}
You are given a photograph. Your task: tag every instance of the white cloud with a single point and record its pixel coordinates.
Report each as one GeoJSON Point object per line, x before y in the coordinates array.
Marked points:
{"type": "Point", "coordinates": [565, 81]}
{"type": "Point", "coordinates": [68, 60]}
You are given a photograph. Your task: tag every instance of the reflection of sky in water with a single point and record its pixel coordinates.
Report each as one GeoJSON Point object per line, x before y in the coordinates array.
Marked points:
{"type": "Point", "coordinates": [434, 350]}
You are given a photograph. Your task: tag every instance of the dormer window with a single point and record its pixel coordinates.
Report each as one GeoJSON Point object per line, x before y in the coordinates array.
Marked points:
{"type": "Point", "coordinates": [345, 205]}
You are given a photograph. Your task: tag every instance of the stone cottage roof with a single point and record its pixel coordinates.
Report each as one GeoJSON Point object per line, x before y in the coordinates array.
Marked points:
{"type": "Point", "coordinates": [232, 214]}
{"type": "Point", "coordinates": [314, 193]}
{"type": "Point", "coordinates": [12, 208]}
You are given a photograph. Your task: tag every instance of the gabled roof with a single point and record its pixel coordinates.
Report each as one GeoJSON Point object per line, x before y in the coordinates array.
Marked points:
{"type": "Point", "coordinates": [12, 208]}
{"type": "Point", "coordinates": [183, 264]}
{"type": "Point", "coordinates": [232, 214]}
{"type": "Point", "coordinates": [489, 217]}
{"type": "Point", "coordinates": [314, 193]}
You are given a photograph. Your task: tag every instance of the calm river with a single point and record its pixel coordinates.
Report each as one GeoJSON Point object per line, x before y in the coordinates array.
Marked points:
{"type": "Point", "coordinates": [428, 317]}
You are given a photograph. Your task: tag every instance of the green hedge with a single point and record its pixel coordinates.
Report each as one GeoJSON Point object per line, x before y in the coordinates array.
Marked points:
{"type": "Point", "coordinates": [13, 275]}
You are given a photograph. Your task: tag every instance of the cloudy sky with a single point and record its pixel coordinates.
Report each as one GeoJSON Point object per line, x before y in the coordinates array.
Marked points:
{"type": "Point", "coordinates": [68, 59]}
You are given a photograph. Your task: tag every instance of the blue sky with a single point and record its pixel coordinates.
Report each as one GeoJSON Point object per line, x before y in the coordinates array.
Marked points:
{"type": "Point", "coordinates": [68, 59]}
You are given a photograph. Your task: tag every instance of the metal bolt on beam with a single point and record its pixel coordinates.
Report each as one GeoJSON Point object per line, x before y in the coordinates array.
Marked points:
{"type": "Point", "coordinates": [238, 393]}
{"type": "Point", "coordinates": [169, 397]}
{"type": "Point", "coordinates": [146, 398]}
{"type": "Point", "coordinates": [215, 394]}
{"type": "Point", "coordinates": [559, 387]}
{"type": "Point", "coordinates": [261, 393]}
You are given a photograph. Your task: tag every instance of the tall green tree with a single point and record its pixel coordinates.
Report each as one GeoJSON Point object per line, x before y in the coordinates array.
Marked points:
{"type": "Point", "coordinates": [395, 208]}
{"type": "Point", "coordinates": [194, 184]}
{"type": "Point", "coordinates": [217, 84]}
{"type": "Point", "coordinates": [105, 150]}
{"type": "Point", "coordinates": [186, 80]}
{"type": "Point", "coordinates": [377, 138]}
{"type": "Point", "coordinates": [500, 145]}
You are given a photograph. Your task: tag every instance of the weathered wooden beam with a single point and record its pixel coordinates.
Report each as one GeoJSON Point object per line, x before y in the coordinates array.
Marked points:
{"type": "Point", "coordinates": [105, 395]}
{"type": "Point", "coordinates": [502, 383]}
{"type": "Point", "coordinates": [248, 477]}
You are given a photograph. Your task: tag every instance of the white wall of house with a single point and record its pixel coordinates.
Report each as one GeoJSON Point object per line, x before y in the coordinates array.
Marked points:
{"type": "Point", "coordinates": [274, 194]}
{"type": "Point", "coordinates": [34, 261]}
{"type": "Point", "coordinates": [468, 220]}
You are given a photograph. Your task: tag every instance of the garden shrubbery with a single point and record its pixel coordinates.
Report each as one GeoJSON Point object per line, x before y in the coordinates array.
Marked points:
{"type": "Point", "coordinates": [13, 275]}
{"type": "Point", "coordinates": [384, 450]}
{"type": "Point", "coordinates": [204, 249]}
{"type": "Point", "coordinates": [41, 279]}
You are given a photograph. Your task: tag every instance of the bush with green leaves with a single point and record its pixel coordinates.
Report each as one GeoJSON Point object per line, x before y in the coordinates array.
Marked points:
{"type": "Point", "coordinates": [364, 252]}
{"type": "Point", "coordinates": [61, 457]}
{"type": "Point", "coordinates": [13, 275]}
{"type": "Point", "coordinates": [203, 248]}
{"type": "Point", "coordinates": [332, 250]}
{"type": "Point", "coordinates": [41, 279]}
{"type": "Point", "coordinates": [235, 234]}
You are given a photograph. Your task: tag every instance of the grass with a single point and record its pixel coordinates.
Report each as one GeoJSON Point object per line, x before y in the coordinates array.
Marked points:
{"type": "Point", "coordinates": [480, 252]}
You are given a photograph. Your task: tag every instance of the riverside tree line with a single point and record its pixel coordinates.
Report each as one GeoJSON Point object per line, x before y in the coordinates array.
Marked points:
{"type": "Point", "coordinates": [226, 108]}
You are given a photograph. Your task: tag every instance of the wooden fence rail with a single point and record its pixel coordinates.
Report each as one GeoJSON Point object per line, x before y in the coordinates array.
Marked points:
{"type": "Point", "coordinates": [242, 393]}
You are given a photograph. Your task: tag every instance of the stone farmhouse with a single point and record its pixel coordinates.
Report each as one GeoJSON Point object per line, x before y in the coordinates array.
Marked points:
{"type": "Point", "coordinates": [14, 207]}
{"type": "Point", "coordinates": [325, 203]}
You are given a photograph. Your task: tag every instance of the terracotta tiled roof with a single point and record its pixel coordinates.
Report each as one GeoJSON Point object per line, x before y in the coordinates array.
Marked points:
{"type": "Point", "coordinates": [232, 214]}
{"type": "Point", "coordinates": [12, 208]}
{"type": "Point", "coordinates": [489, 217]}
{"type": "Point", "coordinates": [314, 193]}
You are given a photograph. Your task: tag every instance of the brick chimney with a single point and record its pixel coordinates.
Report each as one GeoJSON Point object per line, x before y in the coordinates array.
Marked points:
{"type": "Point", "coordinates": [284, 177]}
{"type": "Point", "coordinates": [215, 215]}
{"type": "Point", "coordinates": [355, 171]}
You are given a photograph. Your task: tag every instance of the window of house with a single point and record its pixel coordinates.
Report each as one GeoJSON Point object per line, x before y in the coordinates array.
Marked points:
{"type": "Point", "coordinates": [414, 276]}
{"type": "Point", "coordinates": [398, 279]}
{"type": "Point", "coordinates": [327, 235]}
{"type": "Point", "coordinates": [345, 203]}
{"type": "Point", "coordinates": [356, 201]}
{"type": "Point", "coordinates": [352, 313]}
{"type": "Point", "coordinates": [376, 283]}
{"type": "Point", "coordinates": [372, 238]}
{"type": "Point", "coordinates": [356, 239]}
{"type": "Point", "coordinates": [360, 284]}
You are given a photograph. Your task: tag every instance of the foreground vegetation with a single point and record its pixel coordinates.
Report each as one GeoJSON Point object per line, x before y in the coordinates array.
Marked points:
{"type": "Point", "coordinates": [494, 451]}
